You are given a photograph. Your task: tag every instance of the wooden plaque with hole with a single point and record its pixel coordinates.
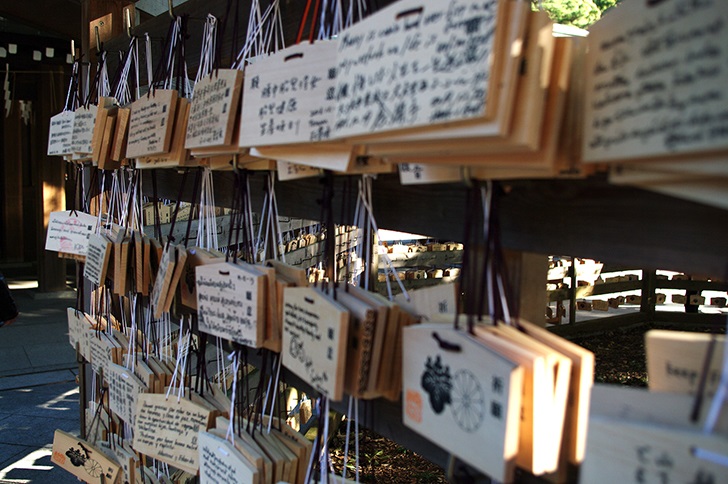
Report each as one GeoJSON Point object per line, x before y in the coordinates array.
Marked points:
{"type": "Point", "coordinates": [214, 108]}
{"type": "Point", "coordinates": [231, 302]}
{"type": "Point", "coordinates": [415, 64]}
{"type": "Point", "coordinates": [82, 459]}
{"type": "Point", "coordinates": [315, 331]}
{"type": "Point", "coordinates": [289, 96]}
{"type": "Point", "coordinates": [463, 396]}
{"type": "Point", "coordinates": [151, 124]}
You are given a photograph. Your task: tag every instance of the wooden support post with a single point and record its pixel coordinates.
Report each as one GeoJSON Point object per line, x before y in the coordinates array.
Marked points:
{"type": "Point", "coordinates": [527, 273]}
{"type": "Point", "coordinates": [572, 291]}
{"type": "Point", "coordinates": [649, 297]}
{"type": "Point", "coordinates": [52, 190]}
{"type": "Point", "coordinates": [12, 243]}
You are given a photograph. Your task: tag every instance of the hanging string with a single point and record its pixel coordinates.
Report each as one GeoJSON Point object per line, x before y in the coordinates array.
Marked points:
{"type": "Point", "coordinates": [208, 48]}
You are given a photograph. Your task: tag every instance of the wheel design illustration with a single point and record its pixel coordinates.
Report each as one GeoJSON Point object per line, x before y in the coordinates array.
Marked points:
{"type": "Point", "coordinates": [468, 401]}
{"type": "Point", "coordinates": [93, 468]}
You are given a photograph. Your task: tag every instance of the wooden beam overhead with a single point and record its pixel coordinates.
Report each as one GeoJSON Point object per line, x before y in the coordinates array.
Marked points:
{"type": "Point", "coordinates": [59, 17]}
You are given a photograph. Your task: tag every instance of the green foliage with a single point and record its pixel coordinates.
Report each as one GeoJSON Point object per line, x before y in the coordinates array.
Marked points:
{"type": "Point", "coordinates": [579, 13]}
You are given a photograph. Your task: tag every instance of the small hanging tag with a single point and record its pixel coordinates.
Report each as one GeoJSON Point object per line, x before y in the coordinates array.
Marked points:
{"type": "Point", "coordinates": [104, 350]}
{"type": "Point", "coordinates": [292, 171]}
{"type": "Point", "coordinates": [60, 134]}
{"type": "Point", "coordinates": [415, 64]}
{"type": "Point", "coordinates": [430, 302]}
{"type": "Point", "coordinates": [121, 135]}
{"type": "Point", "coordinates": [417, 173]}
{"type": "Point", "coordinates": [170, 270]}
{"type": "Point", "coordinates": [315, 331]}
{"type": "Point", "coordinates": [231, 302]}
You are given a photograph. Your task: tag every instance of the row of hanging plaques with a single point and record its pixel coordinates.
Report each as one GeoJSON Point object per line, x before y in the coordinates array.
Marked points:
{"type": "Point", "coordinates": [435, 87]}
{"type": "Point", "coordinates": [469, 82]}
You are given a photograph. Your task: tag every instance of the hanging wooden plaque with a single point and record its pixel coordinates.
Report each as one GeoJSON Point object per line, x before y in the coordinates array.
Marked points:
{"type": "Point", "coordinates": [463, 396]}
{"type": "Point", "coordinates": [231, 302]}
{"type": "Point", "coordinates": [314, 339]}
{"type": "Point", "coordinates": [150, 124]}
{"type": "Point", "coordinates": [121, 134]}
{"type": "Point", "coordinates": [124, 389]}
{"type": "Point", "coordinates": [580, 387]}
{"type": "Point", "coordinates": [69, 231]}
{"type": "Point", "coordinates": [167, 429]}
{"type": "Point", "coordinates": [626, 451]}
{"type": "Point", "coordinates": [655, 81]}
{"type": "Point", "coordinates": [676, 359]}
{"type": "Point", "coordinates": [290, 96]}
{"type": "Point", "coordinates": [60, 134]}
{"type": "Point", "coordinates": [415, 64]}
{"type": "Point", "coordinates": [293, 171]}
{"type": "Point", "coordinates": [83, 129]}
{"type": "Point", "coordinates": [215, 105]}
{"type": "Point", "coordinates": [221, 462]}
{"type": "Point", "coordinates": [97, 258]}
{"type": "Point", "coordinates": [177, 154]}
{"type": "Point", "coordinates": [81, 459]}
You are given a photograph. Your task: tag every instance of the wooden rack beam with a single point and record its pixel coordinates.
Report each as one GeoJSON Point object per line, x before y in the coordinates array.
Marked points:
{"type": "Point", "coordinates": [586, 217]}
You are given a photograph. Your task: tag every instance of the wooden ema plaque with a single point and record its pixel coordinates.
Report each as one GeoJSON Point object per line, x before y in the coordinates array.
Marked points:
{"type": "Point", "coordinates": [221, 462]}
{"type": "Point", "coordinates": [83, 129]}
{"type": "Point", "coordinates": [655, 80]}
{"type": "Point", "coordinates": [231, 302]}
{"type": "Point", "coordinates": [465, 398]}
{"type": "Point", "coordinates": [675, 361]}
{"type": "Point", "coordinates": [314, 339]}
{"type": "Point", "coordinates": [580, 387]}
{"type": "Point", "coordinates": [415, 64]}
{"type": "Point", "coordinates": [517, 76]}
{"type": "Point", "coordinates": [545, 389]}
{"type": "Point", "coordinates": [289, 96]}
{"type": "Point", "coordinates": [68, 232]}
{"type": "Point", "coordinates": [121, 135]}
{"type": "Point", "coordinates": [150, 124]}
{"type": "Point", "coordinates": [661, 408]}
{"type": "Point", "coordinates": [79, 325]}
{"type": "Point", "coordinates": [178, 155]}
{"type": "Point", "coordinates": [60, 134]}
{"type": "Point", "coordinates": [167, 429]}
{"type": "Point", "coordinates": [82, 459]}
{"type": "Point", "coordinates": [97, 258]}
{"type": "Point", "coordinates": [171, 267]}
{"type": "Point", "coordinates": [328, 156]}
{"type": "Point", "coordinates": [293, 171]}
{"type": "Point", "coordinates": [214, 107]}
{"type": "Point", "coordinates": [124, 389]}
{"type": "Point", "coordinates": [619, 450]}
{"type": "Point", "coordinates": [104, 350]}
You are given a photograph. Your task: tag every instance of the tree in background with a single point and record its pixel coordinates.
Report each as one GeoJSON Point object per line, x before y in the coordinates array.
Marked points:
{"type": "Point", "coordinates": [579, 13]}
